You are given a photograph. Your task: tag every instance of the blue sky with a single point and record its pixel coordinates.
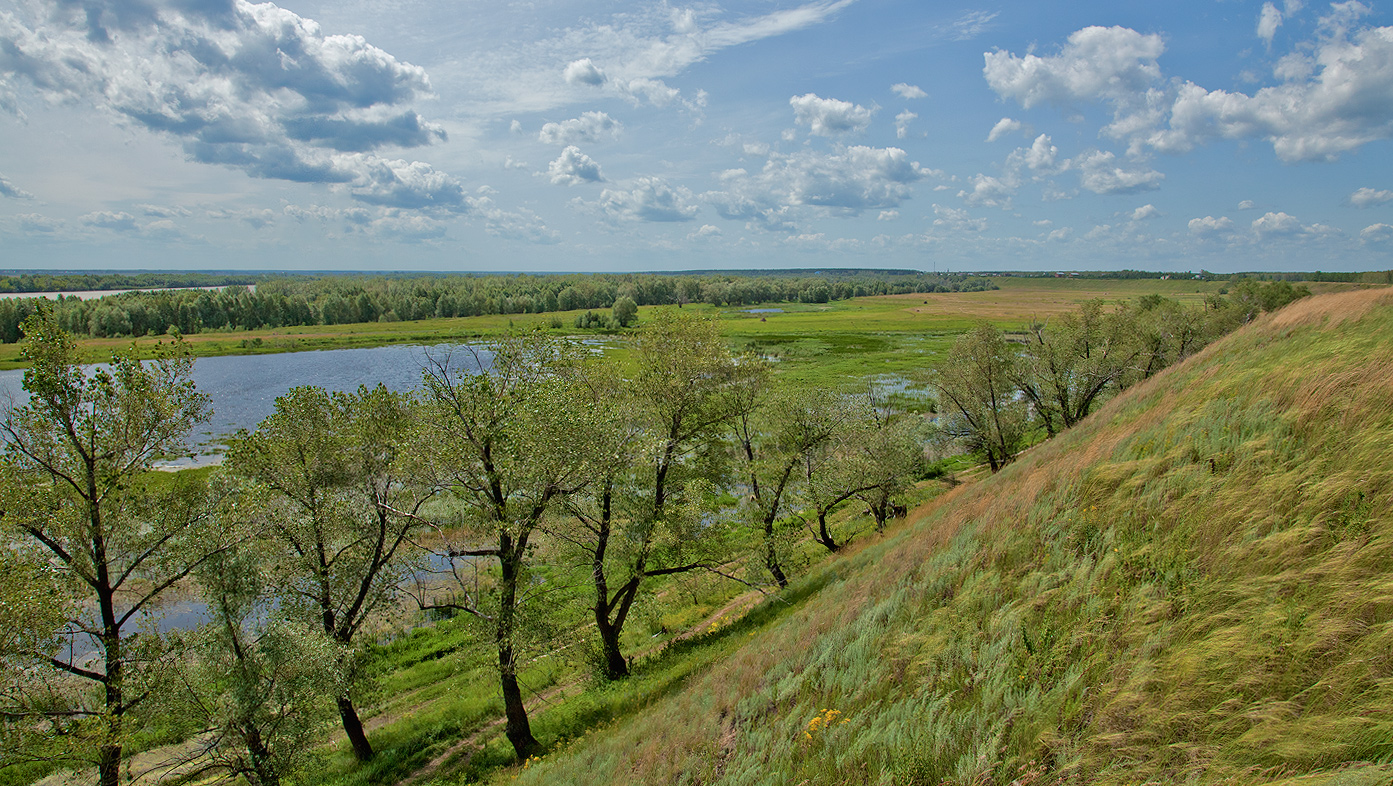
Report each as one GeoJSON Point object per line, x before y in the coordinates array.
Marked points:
{"type": "Point", "coordinates": [583, 135]}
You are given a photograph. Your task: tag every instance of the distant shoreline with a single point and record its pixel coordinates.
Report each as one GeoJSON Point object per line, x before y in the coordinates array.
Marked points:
{"type": "Point", "coordinates": [94, 294]}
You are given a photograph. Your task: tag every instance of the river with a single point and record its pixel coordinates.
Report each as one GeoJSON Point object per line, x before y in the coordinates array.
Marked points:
{"type": "Point", "coordinates": [244, 388]}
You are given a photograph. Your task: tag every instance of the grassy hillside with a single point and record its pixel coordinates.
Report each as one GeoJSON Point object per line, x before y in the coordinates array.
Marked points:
{"type": "Point", "coordinates": [1194, 585]}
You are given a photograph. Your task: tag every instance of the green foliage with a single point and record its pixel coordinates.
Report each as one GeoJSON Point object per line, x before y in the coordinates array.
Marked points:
{"type": "Point", "coordinates": [77, 487]}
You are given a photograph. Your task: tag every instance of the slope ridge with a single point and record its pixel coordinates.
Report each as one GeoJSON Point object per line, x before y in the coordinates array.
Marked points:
{"type": "Point", "coordinates": [1192, 585]}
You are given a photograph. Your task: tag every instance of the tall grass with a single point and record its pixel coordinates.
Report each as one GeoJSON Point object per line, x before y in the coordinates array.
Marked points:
{"type": "Point", "coordinates": [1192, 586]}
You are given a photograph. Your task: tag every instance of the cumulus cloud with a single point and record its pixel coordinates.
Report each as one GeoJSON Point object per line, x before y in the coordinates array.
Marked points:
{"type": "Point", "coordinates": [1209, 226]}
{"type": "Point", "coordinates": [1247, 204]}
{"type": "Point", "coordinates": [853, 178]}
{"type": "Point", "coordinates": [1100, 172]}
{"type": "Point", "coordinates": [1377, 235]}
{"type": "Point", "coordinates": [706, 232]}
{"type": "Point", "coordinates": [249, 86]}
{"type": "Point", "coordinates": [1040, 157]}
{"type": "Point", "coordinates": [163, 211]}
{"type": "Point", "coordinates": [589, 127]}
{"type": "Point", "coordinates": [1145, 212]}
{"type": "Point", "coordinates": [38, 224]}
{"type": "Point", "coordinates": [253, 217]}
{"type": "Point", "coordinates": [573, 167]}
{"type": "Point", "coordinates": [399, 183]}
{"type": "Point", "coordinates": [1368, 197]}
{"type": "Point", "coordinates": [1276, 224]}
{"type": "Point", "coordinates": [584, 72]}
{"type": "Point", "coordinates": [1269, 19]}
{"type": "Point", "coordinates": [1333, 94]}
{"type": "Point", "coordinates": [115, 221]}
{"type": "Point", "coordinates": [957, 220]}
{"type": "Point", "coordinates": [888, 215]}
{"type": "Point", "coordinates": [1003, 127]}
{"type": "Point", "coordinates": [1096, 63]}
{"type": "Point", "coordinates": [902, 121]}
{"type": "Point", "coordinates": [11, 190]}
{"type": "Point", "coordinates": [649, 199]}
{"type": "Point", "coordinates": [988, 191]}
{"type": "Point", "coordinates": [829, 116]}
{"type": "Point", "coordinates": [907, 91]}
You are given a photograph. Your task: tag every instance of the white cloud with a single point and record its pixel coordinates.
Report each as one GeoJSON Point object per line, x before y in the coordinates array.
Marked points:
{"type": "Point", "coordinates": [115, 221]}
{"type": "Point", "coordinates": [573, 167]}
{"type": "Point", "coordinates": [1145, 212]}
{"type": "Point", "coordinates": [1268, 21]}
{"type": "Point", "coordinates": [1059, 235]}
{"type": "Point", "coordinates": [1247, 204]}
{"type": "Point", "coordinates": [1209, 226]}
{"type": "Point", "coordinates": [853, 178]}
{"type": "Point", "coordinates": [1377, 235]}
{"type": "Point", "coordinates": [888, 215]}
{"type": "Point", "coordinates": [1040, 157]}
{"type": "Point", "coordinates": [12, 191]}
{"type": "Point", "coordinates": [38, 224]}
{"type": "Point", "coordinates": [249, 86]}
{"type": "Point", "coordinates": [957, 220]}
{"type": "Point", "coordinates": [589, 127]}
{"type": "Point", "coordinates": [413, 185]}
{"type": "Point", "coordinates": [1096, 63]}
{"type": "Point", "coordinates": [583, 72]}
{"type": "Point", "coordinates": [1003, 127]}
{"type": "Point", "coordinates": [706, 232]}
{"type": "Point", "coordinates": [902, 121]}
{"type": "Point", "coordinates": [1271, 224]}
{"type": "Point", "coordinates": [257, 218]}
{"type": "Point", "coordinates": [649, 199]}
{"type": "Point", "coordinates": [1368, 197]}
{"type": "Point", "coordinates": [907, 91]}
{"type": "Point", "coordinates": [829, 116]}
{"type": "Point", "coordinates": [1099, 173]}
{"type": "Point", "coordinates": [988, 191]}
{"type": "Point", "coordinates": [408, 228]}
{"type": "Point", "coordinates": [161, 211]}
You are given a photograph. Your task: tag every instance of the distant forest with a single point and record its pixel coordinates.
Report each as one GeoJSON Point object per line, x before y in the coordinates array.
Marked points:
{"type": "Point", "coordinates": [286, 301]}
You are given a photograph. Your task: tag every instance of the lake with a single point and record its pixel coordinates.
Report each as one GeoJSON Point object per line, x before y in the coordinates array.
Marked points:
{"type": "Point", "coordinates": [244, 388]}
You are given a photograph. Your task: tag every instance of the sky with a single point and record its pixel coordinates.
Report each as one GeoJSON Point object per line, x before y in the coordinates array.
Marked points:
{"type": "Point", "coordinates": [582, 135]}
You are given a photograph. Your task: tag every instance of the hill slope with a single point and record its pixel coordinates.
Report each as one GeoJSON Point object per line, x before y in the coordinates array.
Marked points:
{"type": "Point", "coordinates": [1195, 584]}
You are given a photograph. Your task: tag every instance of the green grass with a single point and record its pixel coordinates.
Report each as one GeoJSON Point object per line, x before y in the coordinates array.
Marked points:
{"type": "Point", "coordinates": [1192, 586]}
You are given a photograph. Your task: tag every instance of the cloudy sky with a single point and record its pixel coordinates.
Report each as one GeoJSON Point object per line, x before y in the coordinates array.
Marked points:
{"type": "Point", "coordinates": [542, 135]}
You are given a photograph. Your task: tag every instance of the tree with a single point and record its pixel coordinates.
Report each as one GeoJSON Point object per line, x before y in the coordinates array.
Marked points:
{"type": "Point", "coordinates": [775, 433]}
{"type": "Point", "coordinates": [341, 506]}
{"type": "Point", "coordinates": [256, 683]}
{"type": "Point", "coordinates": [615, 520]}
{"type": "Point", "coordinates": [976, 387]}
{"type": "Point", "coordinates": [1070, 366]}
{"type": "Point", "coordinates": [510, 442]}
{"type": "Point", "coordinates": [78, 484]}
{"type": "Point", "coordinates": [625, 310]}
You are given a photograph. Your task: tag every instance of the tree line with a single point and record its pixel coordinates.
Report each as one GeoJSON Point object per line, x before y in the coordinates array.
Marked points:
{"type": "Point", "coordinates": [998, 392]}
{"type": "Point", "coordinates": [288, 301]}
{"type": "Point", "coordinates": [530, 485]}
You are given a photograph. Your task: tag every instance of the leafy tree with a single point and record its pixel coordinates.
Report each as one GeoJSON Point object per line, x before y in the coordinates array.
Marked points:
{"type": "Point", "coordinates": [341, 506]}
{"type": "Point", "coordinates": [1070, 366]}
{"type": "Point", "coordinates": [976, 387]}
{"type": "Point", "coordinates": [616, 520]}
{"type": "Point", "coordinates": [256, 683]}
{"type": "Point", "coordinates": [76, 482]}
{"type": "Point", "coordinates": [510, 441]}
{"type": "Point", "coordinates": [775, 432]}
{"type": "Point", "coordinates": [625, 311]}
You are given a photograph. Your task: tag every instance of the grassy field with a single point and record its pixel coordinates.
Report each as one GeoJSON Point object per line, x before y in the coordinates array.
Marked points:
{"type": "Point", "coordinates": [1191, 586]}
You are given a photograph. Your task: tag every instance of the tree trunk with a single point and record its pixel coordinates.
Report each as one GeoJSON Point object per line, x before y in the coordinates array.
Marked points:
{"type": "Point", "coordinates": [771, 556]}
{"type": "Point", "coordinates": [616, 667]}
{"type": "Point", "coordinates": [110, 765]}
{"type": "Point", "coordinates": [353, 728]}
{"type": "Point", "coordinates": [824, 535]}
{"type": "Point", "coordinates": [262, 771]}
{"type": "Point", "coordinates": [518, 730]}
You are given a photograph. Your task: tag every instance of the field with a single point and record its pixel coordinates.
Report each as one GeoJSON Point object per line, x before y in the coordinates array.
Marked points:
{"type": "Point", "coordinates": [859, 337]}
